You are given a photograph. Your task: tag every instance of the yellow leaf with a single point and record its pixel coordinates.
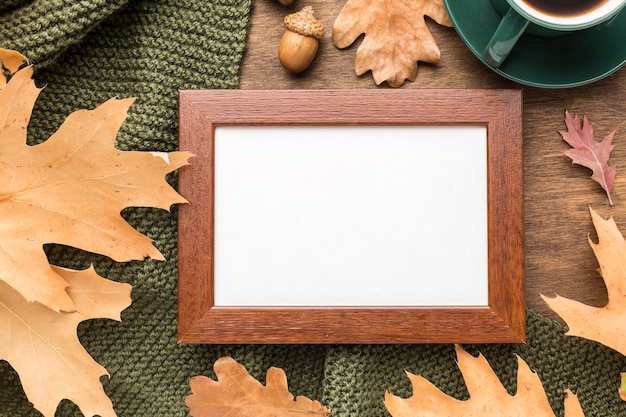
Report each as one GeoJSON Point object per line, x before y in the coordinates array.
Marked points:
{"type": "Point", "coordinates": [70, 190]}
{"type": "Point", "coordinates": [42, 345]}
{"type": "Point", "coordinates": [488, 397]}
{"type": "Point", "coordinates": [237, 394]}
{"type": "Point", "coordinates": [606, 325]}
{"type": "Point", "coordinates": [396, 36]}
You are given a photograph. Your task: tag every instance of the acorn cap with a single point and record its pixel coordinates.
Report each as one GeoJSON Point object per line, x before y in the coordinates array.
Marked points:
{"type": "Point", "coordinates": [305, 23]}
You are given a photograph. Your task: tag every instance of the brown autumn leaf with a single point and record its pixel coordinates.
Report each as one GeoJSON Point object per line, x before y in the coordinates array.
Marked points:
{"type": "Point", "coordinates": [42, 345]}
{"type": "Point", "coordinates": [605, 325]}
{"type": "Point", "coordinates": [237, 394]}
{"type": "Point", "coordinates": [396, 36]}
{"type": "Point", "coordinates": [488, 397]}
{"type": "Point", "coordinates": [69, 190]}
{"type": "Point", "coordinates": [588, 152]}
{"type": "Point", "coordinates": [11, 61]}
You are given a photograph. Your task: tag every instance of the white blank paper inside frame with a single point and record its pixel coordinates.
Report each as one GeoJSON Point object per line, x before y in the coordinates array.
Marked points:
{"type": "Point", "coordinates": [350, 216]}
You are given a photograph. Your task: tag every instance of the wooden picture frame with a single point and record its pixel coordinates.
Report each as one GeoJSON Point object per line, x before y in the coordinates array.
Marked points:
{"type": "Point", "coordinates": [501, 320]}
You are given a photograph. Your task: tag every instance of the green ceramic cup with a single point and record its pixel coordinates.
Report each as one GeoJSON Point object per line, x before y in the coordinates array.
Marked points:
{"type": "Point", "coordinates": [552, 15]}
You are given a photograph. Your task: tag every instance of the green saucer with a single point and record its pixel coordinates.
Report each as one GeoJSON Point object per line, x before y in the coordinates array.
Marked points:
{"type": "Point", "coordinates": [568, 60]}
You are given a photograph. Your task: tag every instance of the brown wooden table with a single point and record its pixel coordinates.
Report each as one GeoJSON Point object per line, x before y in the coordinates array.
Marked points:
{"type": "Point", "coordinates": [558, 194]}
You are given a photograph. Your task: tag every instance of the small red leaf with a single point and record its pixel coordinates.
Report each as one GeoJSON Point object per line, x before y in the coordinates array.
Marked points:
{"type": "Point", "coordinates": [588, 152]}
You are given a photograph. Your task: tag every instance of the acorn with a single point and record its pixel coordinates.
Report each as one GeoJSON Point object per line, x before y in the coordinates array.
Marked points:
{"type": "Point", "coordinates": [300, 42]}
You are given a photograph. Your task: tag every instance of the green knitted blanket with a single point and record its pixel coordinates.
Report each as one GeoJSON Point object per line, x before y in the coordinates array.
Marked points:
{"type": "Point", "coordinates": [87, 51]}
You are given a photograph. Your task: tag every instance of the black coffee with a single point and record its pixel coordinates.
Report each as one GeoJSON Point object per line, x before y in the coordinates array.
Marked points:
{"type": "Point", "coordinates": [565, 7]}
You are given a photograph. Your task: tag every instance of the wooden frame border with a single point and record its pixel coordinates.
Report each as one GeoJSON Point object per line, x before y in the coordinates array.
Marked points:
{"type": "Point", "coordinates": [502, 321]}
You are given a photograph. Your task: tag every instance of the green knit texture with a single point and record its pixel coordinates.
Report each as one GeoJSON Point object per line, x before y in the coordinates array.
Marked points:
{"type": "Point", "coordinates": [88, 51]}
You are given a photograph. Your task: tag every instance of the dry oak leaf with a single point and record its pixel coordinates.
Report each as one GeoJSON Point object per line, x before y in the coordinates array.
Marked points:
{"type": "Point", "coordinates": [11, 61]}
{"type": "Point", "coordinates": [237, 394]}
{"type": "Point", "coordinates": [588, 152]}
{"type": "Point", "coordinates": [396, 36]}
{"type": "Point", "coordinates": [488, 397]}
{"type": "Point", "coordinates": [42, 345]}
{"type": "Point", "coordinates": [70, 190]}
{"type": "Point", "coordinates": [605, 325]}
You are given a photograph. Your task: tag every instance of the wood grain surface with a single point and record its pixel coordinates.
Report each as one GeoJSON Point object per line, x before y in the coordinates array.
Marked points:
{"type": "Point", "coordinates": [202, 321]}
{"type": "Point", "coordinates": [558, 194]}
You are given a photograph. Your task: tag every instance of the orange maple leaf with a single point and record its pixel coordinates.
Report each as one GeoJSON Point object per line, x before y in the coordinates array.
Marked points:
{"type": "Point", "coordinates": [488, 397]}
{"type": "Point", "coordinates": [237, 394]}
{"type": "Point", "coordinates": [70, 190]}
{"type": "Point", "coordinates": [42, 345]}
{"type": "Point", "coordinates": [396, 36]}
{"type": "Point", "coordinates": [606, 325]}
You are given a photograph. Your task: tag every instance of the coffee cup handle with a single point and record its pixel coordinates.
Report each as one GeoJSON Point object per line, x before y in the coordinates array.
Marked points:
{"type": "Point", "coordinates": [504, 38]}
